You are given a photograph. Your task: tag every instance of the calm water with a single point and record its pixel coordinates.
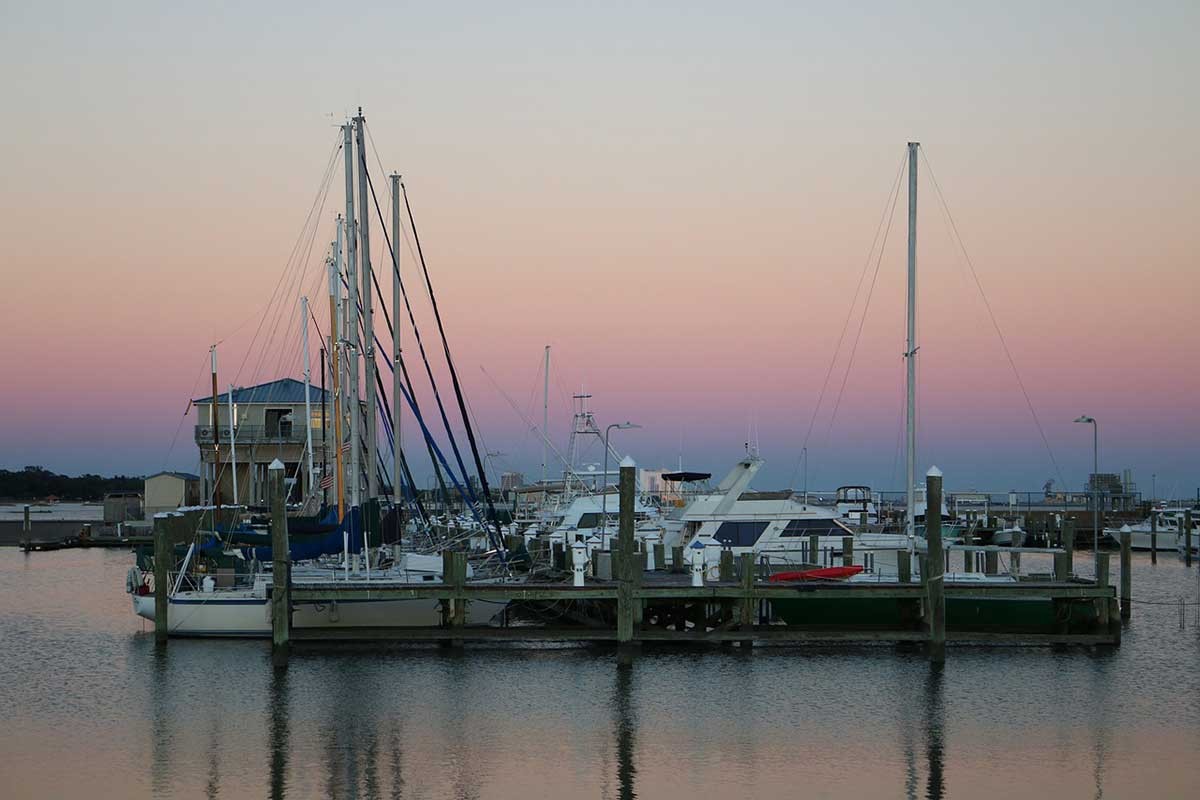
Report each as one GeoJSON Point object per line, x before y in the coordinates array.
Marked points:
{"type": "Point", "coordinates": [92, 710]}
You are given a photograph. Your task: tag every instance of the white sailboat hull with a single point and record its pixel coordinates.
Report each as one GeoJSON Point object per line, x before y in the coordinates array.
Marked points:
{"type": "Point", "coordinates": [231, 613]}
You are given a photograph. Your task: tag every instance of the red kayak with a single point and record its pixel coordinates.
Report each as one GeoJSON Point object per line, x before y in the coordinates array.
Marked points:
{"type": "Point", "coordinates": [822, 574]}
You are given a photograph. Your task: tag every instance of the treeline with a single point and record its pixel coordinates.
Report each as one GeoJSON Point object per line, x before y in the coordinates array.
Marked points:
{"type": "Point", "coordinates": [36, 483]}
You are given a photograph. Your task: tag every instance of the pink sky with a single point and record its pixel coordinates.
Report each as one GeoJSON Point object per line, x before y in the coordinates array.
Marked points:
{"type": "Point", "coordinates": [680, 205]}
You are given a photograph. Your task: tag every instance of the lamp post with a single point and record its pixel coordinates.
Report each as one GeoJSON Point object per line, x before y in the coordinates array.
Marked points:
{"type": "Point", "coordinates": [622, 426]}
{"type": "Point", "coordinates": [1095, 483]}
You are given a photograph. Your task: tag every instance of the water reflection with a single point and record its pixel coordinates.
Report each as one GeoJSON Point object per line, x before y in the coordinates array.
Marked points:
{"type": "Point", "coordinates": [161, 736]}
{"type": "Point", "coordinates": [279, 732]}
{"type": "Point", "coordinates": [935, 732]}
{"type": "Point", "coordinates": [624, 730]}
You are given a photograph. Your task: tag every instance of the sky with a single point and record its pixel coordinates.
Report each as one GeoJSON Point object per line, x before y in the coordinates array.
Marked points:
{"type": "Point", "coordinates": [680, 199]}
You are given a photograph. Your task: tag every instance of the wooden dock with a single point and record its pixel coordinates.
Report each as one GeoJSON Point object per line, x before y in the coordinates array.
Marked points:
{"type": "Point", "coordinates": [666, 606]}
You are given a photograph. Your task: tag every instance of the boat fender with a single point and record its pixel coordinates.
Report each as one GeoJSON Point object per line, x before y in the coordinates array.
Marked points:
{"type": "Point", "coordinates": [133, 579]}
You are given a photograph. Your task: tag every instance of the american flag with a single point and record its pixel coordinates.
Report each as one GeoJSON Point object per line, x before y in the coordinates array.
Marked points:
{"type": "Point", "coordinates": [327, 481]}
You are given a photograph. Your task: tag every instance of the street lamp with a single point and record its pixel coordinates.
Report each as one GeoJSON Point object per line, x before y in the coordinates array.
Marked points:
{"type": "Point", "coordinates": [621, 426]}
{"type": "Point", "coordinates": [1095, 484]}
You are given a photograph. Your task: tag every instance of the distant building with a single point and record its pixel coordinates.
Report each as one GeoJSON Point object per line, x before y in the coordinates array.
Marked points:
{"type": "Point", "coordinates": [268, 424]}
{"type": "Point", "coordinates": [509, 481]}
{"type": "Point", "coordinates": [166, 491]}
{"type": "Point", "coordinates": [122, 507]}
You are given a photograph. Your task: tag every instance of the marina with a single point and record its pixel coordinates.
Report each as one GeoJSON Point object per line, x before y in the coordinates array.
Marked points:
{"type": "Point", "coordinates": [500, 401]}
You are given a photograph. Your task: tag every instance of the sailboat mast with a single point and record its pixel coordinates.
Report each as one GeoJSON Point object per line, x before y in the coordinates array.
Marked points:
{"type": "Point", "coordinates": [397, 430]}
{"type": "Point", "coordinates": [545, 415]}
{"type": "Point", "coordinates": [307, 400]}
{"type": "Point", "coordinates": [910, 352]}
{"type": "Point", "coordinates": [232, 447]}
{"type": "Point", "coordinates": [368, 296]}
{"type": "Point", "coordinates": [335, 371]}
{"type": "Point", "coordinates": [216, 487]}
{"type": "Point", "coordinates": [351, 320]}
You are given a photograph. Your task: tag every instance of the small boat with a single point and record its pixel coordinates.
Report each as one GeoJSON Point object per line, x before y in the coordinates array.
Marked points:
{"type": "Point", "coordinates": [821, 574]}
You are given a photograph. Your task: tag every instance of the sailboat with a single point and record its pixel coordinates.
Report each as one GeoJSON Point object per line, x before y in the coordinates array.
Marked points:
{"type": "Point", "coordinates": [340, 542]}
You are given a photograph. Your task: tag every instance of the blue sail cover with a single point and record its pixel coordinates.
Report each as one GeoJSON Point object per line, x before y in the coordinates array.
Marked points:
{"type": "Point", "coordinates": [311, 547]}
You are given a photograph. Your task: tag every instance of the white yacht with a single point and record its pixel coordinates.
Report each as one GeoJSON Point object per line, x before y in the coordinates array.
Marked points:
{"type": "Point", "coordinates": [1169, 529]}
{"type": "Point", "coordinates": [775, 527]}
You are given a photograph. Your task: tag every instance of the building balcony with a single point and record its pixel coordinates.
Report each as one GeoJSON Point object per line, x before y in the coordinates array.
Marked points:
{"type": "Point", "coordinates": [284, 433]}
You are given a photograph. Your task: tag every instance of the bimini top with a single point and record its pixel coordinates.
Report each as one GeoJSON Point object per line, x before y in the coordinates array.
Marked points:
{"type": "Point", "coordinates": [686, 477]}
{"type": "Point", "coordinates": [285, 390]}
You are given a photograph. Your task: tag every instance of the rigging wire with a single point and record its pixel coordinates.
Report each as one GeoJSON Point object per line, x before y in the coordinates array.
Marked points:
{"type": "Point", "coordinates": [992, 316]}
{"type": "Point", "coordinates": [846, 325]}
{"type": "Point", "coordinates": [866, 306]}
{"type": "Point", "coordinates": [318, 200]}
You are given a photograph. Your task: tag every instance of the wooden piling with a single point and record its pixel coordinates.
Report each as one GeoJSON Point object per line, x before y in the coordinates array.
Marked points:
{"type": "Point", "coordinates": [746, 565]}
{"type": "Point", "coordinates": [459, 617]}
{"type": "Point", "coordinates": [725, 568]}
{"type": "Point", "coordinates": [1102, 572]}
{"type": "Point", "coordinates": [27, 524]}
{"type": "Point", "coordinates": [1062, 566]}
{"type": "Point", "coordinates": [847, 551]}
{"type": "Point", "coordinates": [968, 555]}
{"type": "Point", "coordinates": [991, 562]}
{"type": "Point", "coordinates": [1153, 537]}
{"type": "Point", "coordinates": [677, 564]}
{"type": "Point", "coordinates": [558, 556]}
{"type": "Point", "coordinates": [164, 556]}
{"type": "Point", "coordinates": [660, 556]}
{"type": "Point", "coordinates": [1126, 573]}
{"type": "Point", "coordinates": [281, 580]}
{"type": "Point", "coordinates": [1187, 537]}
{"type": "Point", "coordinates": [625, 598]}
{"type": "Point", "coordinates": [814, 545]}
{"type": "Point", "coordinates": [1068, 543]}
{"type": "Point", "coordinates": [904, 566]}
{"type": "Point", "coordinates": [936, 584]}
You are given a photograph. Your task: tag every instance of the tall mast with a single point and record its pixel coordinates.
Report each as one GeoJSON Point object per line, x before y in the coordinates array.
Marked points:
{"type": "Point", "coordinates": [910, 353]}
{"type": "Point", "coordinates": [232, 447]}
{"type": "Point", "coordinates": [397, 430]}
{"type": "Point", "coordinates": [351, 320]}
{"type": "Point", "coordinates": [335, 367]}
{"type": "Point", "coordinates": [216, 487]}
{"type": "Point", "coordinates": [307, 400]}
{"type": "Point", "coordinates": [545, 416]}
{"type": "Point", "coordinates": [368, 295]}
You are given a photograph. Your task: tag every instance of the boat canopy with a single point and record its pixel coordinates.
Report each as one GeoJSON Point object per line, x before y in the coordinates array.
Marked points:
{"type": "Point", "coordinates": [686, 477]}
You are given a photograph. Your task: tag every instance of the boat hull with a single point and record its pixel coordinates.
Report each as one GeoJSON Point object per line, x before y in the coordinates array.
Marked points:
{"type": "Point", "coordinates": [212, 614]}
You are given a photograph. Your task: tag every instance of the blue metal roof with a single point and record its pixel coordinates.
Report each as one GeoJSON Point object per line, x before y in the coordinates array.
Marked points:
{"type": "Point", "coordinates": [286, 390]}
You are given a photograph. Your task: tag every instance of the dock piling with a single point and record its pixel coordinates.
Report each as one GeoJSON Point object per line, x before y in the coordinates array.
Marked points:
{"type": "Point", "coordinates": [1068, 544]}
{"type": "Point", "coordinates": [991, 562]}
{"type": "Point", "coordinates": [1126, 571]}
{"type": "Point", "coordinates": [936, 584]}
{"type": "Point", "coordinates": [1153, 537]}
{"type": "Point", "coordinates": [725, 568]}
{"type": "Point", "coordinates": [1102, 573]}
{"type": "Point", "coordinates": [814, 544]}
{"type": "Point", "coordinates": [904, 566]}
{"type": "Point", "coordinates": [1187, 537]}
{"type": "Point", "coordinates": [847, 551]}
{"type": "Point", "coordinates": [281, 580]}
{"type": "Point", "coordinates": [163, 556]}
{"type": "Point", "coordinates": [26, 524]}
{"type": "Point", "coordinates": [677, 564]}
{"type": "Point", "coordinates": [625, 561]}
{"type": "Point", "coordinates": [746, 619]}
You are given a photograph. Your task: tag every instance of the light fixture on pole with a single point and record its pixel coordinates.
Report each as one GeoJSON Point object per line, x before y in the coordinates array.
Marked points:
{"type": "Point", "coordinates": [1095, 483]}
{"type": "Point", "coordinates": [621, 426]}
